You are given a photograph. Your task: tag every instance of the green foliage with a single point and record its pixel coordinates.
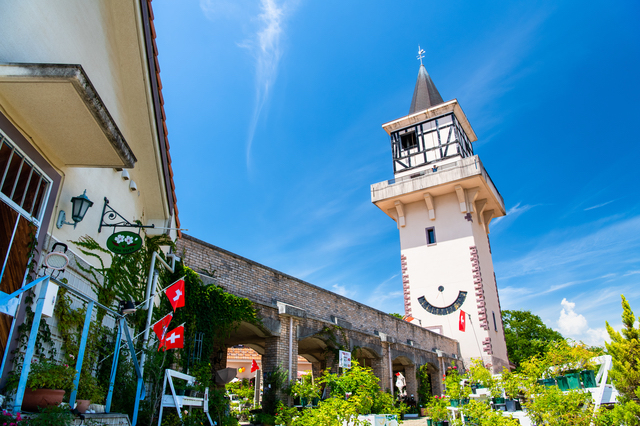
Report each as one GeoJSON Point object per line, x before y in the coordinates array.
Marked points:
{"type": "Point", "coordinates": [625, 351]}
{"type": "Point", "coordinates": [306, 388]}
{"type": "Point", "coordinates": [273, 383]}
{"type": "Point", "coordinates": [553, 407]}
{"type": "Point", "coordinates": [126, 275]}
{"type": "Point", "coordinates": [88, 388]}
{"type": "Point", "coordinates": [479, 373]}
{"type": "Point", "coordinates": [361, 389]}
{"type": "Point", "coordinates": [526, 335]}
{"type": "Point", "coordinates": [44, 375]}
{"type": "Point", "coordinates": [453, 385]}
{"type": "Point", "coordinates": [436, 408]}
{"type": "Point", "coordinates": [243, 388]}
{"type": "Point", "coordinates": [332, 412]}
{"type": "Point", "coordinates": [483, 415]}
{"type": "Point", "coordinates": [285, 415]}
{"type": "Point", "coordinates": [50, 416]}
{"type": "Point", "coordinates": [396, 315]}
{"type": "Point", "coordinates": [209, 310]}
{"type": "Point", "coordinates": [424, 384]}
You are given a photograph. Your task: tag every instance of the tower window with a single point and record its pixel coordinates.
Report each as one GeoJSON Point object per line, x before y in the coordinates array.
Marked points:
{"type": "Point", "coordinates": [431, 235]}
{"type": "Point", "coordinates": [408, 140]}
{"type": "Point", "coordinates": [495, 324]}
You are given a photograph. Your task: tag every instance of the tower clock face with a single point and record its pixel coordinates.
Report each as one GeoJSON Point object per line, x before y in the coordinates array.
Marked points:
{"type": "Point", "coordinates": [442, 302]}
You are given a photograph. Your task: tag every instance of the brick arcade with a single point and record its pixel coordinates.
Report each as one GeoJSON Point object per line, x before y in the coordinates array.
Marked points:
{"type": "Point", "coordinates": [299, 318]}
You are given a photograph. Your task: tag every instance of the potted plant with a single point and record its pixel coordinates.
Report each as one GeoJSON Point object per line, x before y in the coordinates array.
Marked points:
{"type": "Point", "coordinates": [454, 388]}
{"type": "Point", "coordinates": [437, 411]}
{"type": "Point", "coordinates": [88, 391]}
{"type": "Point", "coordinates": [46, 385]}
{"type": "Point", "coordinates": [306, 389]}
{"type": "Point", "coordinates": [479, 374]}
{"type": "Point", "coordinates": [511, 383]}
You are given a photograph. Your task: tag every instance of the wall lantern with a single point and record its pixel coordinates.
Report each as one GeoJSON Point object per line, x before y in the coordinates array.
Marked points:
{"type": "Point", "coordinates": [127, 307]}
{"type": "Point", "coordinates": [80, 205]}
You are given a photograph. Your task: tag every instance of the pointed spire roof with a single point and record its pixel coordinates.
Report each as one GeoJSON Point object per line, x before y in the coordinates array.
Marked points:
{"type": "Point", "coordinates": [425, 94]}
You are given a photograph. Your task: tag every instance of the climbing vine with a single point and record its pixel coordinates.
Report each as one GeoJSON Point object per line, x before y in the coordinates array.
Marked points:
{"type": "Point", "coordinates": [334, 346]}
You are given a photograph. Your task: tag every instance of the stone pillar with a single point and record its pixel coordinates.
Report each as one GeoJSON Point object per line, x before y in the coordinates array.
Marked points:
{"type": "Point", "coordinates": [278, 349]}
{"type": "Point", "coordinates": [385, 369]}
{"type": "Point", "coordinates": [412, 382]}
{"type": "Point", "coordinates": [377, 365]}
{"type": "Point", "coordinates": [316, 369]}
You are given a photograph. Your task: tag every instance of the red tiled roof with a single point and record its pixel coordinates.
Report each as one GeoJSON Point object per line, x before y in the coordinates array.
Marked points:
{"type": "Point", "coordinates": [161, 118]}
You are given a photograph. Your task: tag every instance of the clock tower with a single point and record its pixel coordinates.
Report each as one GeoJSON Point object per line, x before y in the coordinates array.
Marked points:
{"type": "Point", "coordinates": [443, 200]}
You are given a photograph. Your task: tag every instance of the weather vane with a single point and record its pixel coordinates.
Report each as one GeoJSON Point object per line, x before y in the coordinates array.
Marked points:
{"type": "Point", "coordinates": [420, 54]}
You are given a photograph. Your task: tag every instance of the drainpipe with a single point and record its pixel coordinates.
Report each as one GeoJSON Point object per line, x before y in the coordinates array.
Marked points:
{"type": "Point", "coordinates": [391, 372]}
{"type": "Point", "coordinates": [290, 347]}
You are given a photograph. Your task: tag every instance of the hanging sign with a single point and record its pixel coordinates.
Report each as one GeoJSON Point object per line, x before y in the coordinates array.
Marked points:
{"type": "Point", "coordinates": [345, 359]}
{"type": "Point", "coordinates": [124, 242]}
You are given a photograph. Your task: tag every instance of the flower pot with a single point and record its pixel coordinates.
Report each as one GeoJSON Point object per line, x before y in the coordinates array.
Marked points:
{"type": "Point", "coordinates": [82, 405]}
{"type": "Point", "coordinates": [498, 401]}
{"type": "Point", "coordinates": [588, 378]}
{"type": "Point", "coordinates": [511, 405]}
{"type": "Point", "coordinates": [464, 401]}
{"type": "Point", "coordinates": [180, 392]}
{"type": "Point", "coordinates": [303, 402]}
{"type": "Point", "coordinates": [547, 382]}
{"type": "Point", "coordinates": [423, 412]}
{"type": "Point", "coordinates": [454, 402]}
{"type": "Point", "coordinates": [429, 422]}
{"type": "Point", "coordinates": [41, 398]}
{"type": "Point", "coordinates": [563, 383]}
{"type": "Point", "coordinates": [574, 380]}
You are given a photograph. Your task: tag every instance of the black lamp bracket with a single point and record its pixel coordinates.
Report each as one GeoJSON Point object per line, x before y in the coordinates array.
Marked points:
{"type": "Point", "coordinates": [113, 219]}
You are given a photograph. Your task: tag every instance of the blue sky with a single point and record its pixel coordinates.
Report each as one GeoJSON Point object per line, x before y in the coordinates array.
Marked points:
{"type": "Point", "coordinates": [274, 110]}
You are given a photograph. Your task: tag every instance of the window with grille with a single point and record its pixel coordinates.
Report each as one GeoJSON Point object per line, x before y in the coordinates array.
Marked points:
{"type": "Point", "coordinates": [22, 184]}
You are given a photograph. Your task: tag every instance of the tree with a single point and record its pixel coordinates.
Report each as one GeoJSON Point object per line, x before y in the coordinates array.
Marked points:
{"type": "Point", "coordinates": [625, 372]}
{"type": "Point", "coordinates": [526, 335]}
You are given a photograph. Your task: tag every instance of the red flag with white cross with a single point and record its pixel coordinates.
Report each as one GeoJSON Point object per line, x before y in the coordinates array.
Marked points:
{"type": "Point", "coordinates": [463, 321]}
{"type": "Point", "coordinates": [175, 293]}
{"type": "Point", "coordinates": [161, 327]}
{"type": "Point", "coordinates": [175, 338]}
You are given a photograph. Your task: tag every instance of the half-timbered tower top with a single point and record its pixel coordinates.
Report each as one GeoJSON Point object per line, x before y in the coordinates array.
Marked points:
{"type": "Point", "coordinates": [425, 94]}
{"type": "Point", "coordinates": [435, 133]}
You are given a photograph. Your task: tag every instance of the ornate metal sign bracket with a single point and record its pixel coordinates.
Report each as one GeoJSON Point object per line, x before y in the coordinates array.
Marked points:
{"type": "Point", "coordinates": [112, 218]}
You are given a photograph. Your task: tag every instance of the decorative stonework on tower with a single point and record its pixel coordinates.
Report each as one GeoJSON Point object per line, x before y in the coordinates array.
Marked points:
{"type": "Point", "coordinates": [443, 200]}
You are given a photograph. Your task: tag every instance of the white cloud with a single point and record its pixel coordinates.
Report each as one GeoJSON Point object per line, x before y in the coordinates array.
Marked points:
{"type": "Point", "coordinates": [264, 44]}
{"type": "Point", "coordinates": [341, 290]}
{"type": "Point", "coordinates": [571, 323]}
{"type": "Point", "coordinates": [512, 214]}
{"type": "Point", "coordinates": [575, 326]}
{"type": "Point", "coordinates": [600, 205]}
{"type": "Point", "coordinates": [267, 51]}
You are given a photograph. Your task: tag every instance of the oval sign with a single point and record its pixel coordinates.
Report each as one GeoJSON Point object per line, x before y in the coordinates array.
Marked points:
{"type": "Point", "coordinates": [124, 242]}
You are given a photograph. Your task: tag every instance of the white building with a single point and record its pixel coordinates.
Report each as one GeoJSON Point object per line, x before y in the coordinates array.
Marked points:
{"type": "Point", "coordinates": [81, 109]}
{"type": "Point", "coordinates": [443, 200]}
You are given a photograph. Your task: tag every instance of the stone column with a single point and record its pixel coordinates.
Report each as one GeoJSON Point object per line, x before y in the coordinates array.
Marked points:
{"type": "Point", "coordinates": [278, 349]}
{"type": "Point", "coordinates": [412, 382]}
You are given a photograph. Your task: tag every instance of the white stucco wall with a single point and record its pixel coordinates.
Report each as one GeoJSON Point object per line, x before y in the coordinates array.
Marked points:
{"type": "Point", "coordinates": [447, 263]}
{"type": "Point", "coordinates": [106, 39]}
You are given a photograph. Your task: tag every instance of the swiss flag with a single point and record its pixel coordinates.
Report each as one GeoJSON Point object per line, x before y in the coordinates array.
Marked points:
{"type": "Point", "coordinates": [160, 328]}
{"type": "Point", "coordinates": [254, 365]}
{"type": "Point", "coordinates": [175, 338]}
{"type": "Point", "coordinates": [462, 325]}
{"type": "Point", "coordinates": [175, 293]}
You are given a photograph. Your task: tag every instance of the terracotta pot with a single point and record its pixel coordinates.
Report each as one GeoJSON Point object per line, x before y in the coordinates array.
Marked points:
{"type": "Point", "coordinates": [82, 405]}
{"type": "Point", "coordinates": [41, 398]}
